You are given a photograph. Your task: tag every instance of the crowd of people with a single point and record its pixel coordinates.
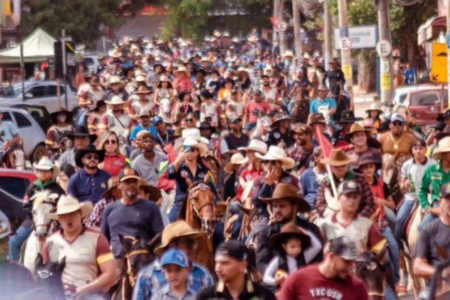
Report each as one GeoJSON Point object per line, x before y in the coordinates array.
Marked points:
{"type": "Point", "coordinates": [308, 186]}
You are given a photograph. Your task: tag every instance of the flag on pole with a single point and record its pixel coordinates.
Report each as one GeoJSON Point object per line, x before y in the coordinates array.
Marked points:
{"type": "Point", "coordinates": [324, 143]}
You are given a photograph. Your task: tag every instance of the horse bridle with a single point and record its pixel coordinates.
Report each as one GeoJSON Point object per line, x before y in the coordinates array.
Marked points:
{"type": "Point", "coordinates": [202, 187]}
{"type": "Point", "coordinates": [52, 222]}
{"type": "Point", "coordinates": [131, 275]}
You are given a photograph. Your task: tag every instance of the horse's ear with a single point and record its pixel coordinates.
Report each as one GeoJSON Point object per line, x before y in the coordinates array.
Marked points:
{"type": "Point", "coordinates": [62, 264]}
{"type": "Point", "coordinates": [189, 182]}
{"type": "Point", "coordinates": [39, 262]}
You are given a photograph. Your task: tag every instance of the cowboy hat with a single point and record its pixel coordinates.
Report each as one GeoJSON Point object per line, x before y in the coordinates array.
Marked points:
{"type": "Point", "coordinates": [84, 100]}
{"type": "Point", "coordinates": [142, 90]}
{"type": "Point", "coordinates": [45, 164]}
{"type": "Point", "coordinates": [348, 116]}
{"type": "Point", "coordinates": [288, 53]}
{"type": "Point", "coordinates": [316, 119]}
{"type": "Point", "coordinates": [306, 55]}
{"type": "Point", "coordinates": [288, 192]}
{"type": "Point", "coordinates": [357, 128]}
{"type": "Point", "coordinates": [217, 33]}
{"type": "Point", "coordinates": [192, 142]}
{"type": "Point", "coordinates": [236, 159]}
{"type": "Point", "coordinates": [290, 230]}
{"type": "Point", "coordinates": [374, 107]}
{"type": "Point", "coordinates": [90, 149]}
{"type": "Point", "coordinates": [155, 193]}
{"type": "Point", "coordinates": [164, 78]}
{"type": "Point", "coordinates": [368, 158]}
{"type": "Point", "coordinates": [112, 186]}
{"type": "Point", "coordinates": [255, 145]}
{"type": "Point", "coordinates": [82, 132]}
{"type": "Point", "coordinates": [205, 60]}
{"type": "Point", "coordinates": [115, 79]}
{"type": "Point", "coordinates": [139, 78]}
{"type": "Point", "coordinates": [242, 70]}
{"type": "Point", "coordinates": [174, 231]}
{"type": "Point", "coordinates": [68, 204]}
{"type": "Point", "coordinates": [282, 116]}
{"type": "Point", "coordinates": [194, 133]}
{"type": "Point", "coordinates": [116, 100]}
{"type": "Point", "coordinates": [277, 153]}
{"type": "Point", "coordinates": [54, 116]}
{"type": "Point", "coordinates": [337, 158]}
{"type": "Point", "coordinates": [443, 147]}
{"type": "Point", "coordinates": [181, 69]}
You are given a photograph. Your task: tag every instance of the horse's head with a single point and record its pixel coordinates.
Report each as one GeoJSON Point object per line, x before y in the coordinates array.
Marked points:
{"type": "Point", "coordinates": [48, 277]}
{"type": "Point", "coordinates": [373, 273]}
{"type": "Point", "coordinates": [201, 200]}
{"type": "Point", "coordinates": [138, 254]}
{"type": "Point", "coordinates": [43, 204]}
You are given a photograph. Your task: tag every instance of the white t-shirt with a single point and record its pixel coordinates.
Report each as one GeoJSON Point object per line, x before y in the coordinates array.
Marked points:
{"type": "Point", "coordinates": [416, 172]}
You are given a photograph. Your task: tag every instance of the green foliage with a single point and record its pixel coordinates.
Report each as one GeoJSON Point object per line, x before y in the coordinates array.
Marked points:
{"type": "Point", "coordinates": [82, 19]}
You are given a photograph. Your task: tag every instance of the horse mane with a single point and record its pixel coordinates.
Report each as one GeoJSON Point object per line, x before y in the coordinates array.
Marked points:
{"type": "Point", "coordinates": [40, 197]}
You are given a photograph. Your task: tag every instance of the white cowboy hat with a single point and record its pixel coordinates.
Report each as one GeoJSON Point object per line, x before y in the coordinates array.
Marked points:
{"type": "Point", "coordinates": [194, 133]}
{"type": "Point", "coordinates": [236, 159]}
{"type": "Point", "coordinates": [277, 153]}
{"type": "Point", "coordinates": [205, 59]}
{"type": "Point", "coordinates": [306, 55]}
{"type": "Point", "coordinates": [242, 69]}
{"type": "Point", "coordinates": [68, 204]}
{"type": "Point", "coordinates": [192, 142]}
{"type": "Point", "coordinates": [45, 164]}
{"type": "Point", "coordinates": [181, 69]}
{"type": "Point", "coordinates": [443, 147]}
{"type": "Point", "coordinates": [115, 79]}
{"type": "Point", "coordinates": [139, 78]}
{"type": "Point", "coordinates": [235, 40]}
{"type": "Point", "coordinates": [116, 100]}
{"type": "Point", "coordinates": [226, 34]}
{"type": "Point", "coordinates": [217, 33]}
{"type": "Point", "coordinates": [255, 145]}
{"type": "Point", "coordinates": [288, 53]}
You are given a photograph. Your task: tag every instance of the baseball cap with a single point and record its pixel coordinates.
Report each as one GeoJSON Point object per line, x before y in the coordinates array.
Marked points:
{"type": "Point", "coordinates": [128, 173]}
{"type": "Point", "coordinates": [347, 187]}
{"type": "Point", "coordinates": [397, 117]}
{"type": "Point", "coordinates": [156, 120]}
{"type": "Point", "coordinates": [234, 250]}
{"type": "Point", "coordinates": [344, 248]}
{"type": "Point", "coordinates": [445, 190]}
{"type": "Point", "coordinates": [174, 257]}
{"type": "Point", "coordinates": [234, 118]}
{"type": "Point", "coordinates": [257, 92]}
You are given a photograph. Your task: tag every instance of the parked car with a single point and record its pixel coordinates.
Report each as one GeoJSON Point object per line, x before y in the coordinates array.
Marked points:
{"type": "Point", "coordinates": [399, 95]}
{"type": "Point", "coordinates": [425, 104]}
{"type": "Point", "coordinates": [32, 134]}
{"type": "Point", "coordinates": [16, 182]}
{"type": "Point", "coordinates": [38, 93]}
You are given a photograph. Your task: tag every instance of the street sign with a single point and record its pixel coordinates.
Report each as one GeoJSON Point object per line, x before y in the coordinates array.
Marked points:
{"type": "Point", "coordinates": [362, 37]}
{"type": "Point", "coordinates": [346, 43]}
{"type": "Point", "coordinates": [439, 63]}
{"type": "Point", "coordinates": [384, 48]}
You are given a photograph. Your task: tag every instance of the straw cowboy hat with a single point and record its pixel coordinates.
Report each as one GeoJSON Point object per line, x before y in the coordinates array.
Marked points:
{"type": "Point", "coordinates": [255, 145]}
{"type": "Point", "coordinates": [181, 69]}
{"type": "Point", "coordinates": [357, 128]}
{"type": "Point", "coordinates": [68, 204]}
{"type": "Point", "coordinates": [112, 187]}
{"type": "Point", "coordinates": [236, 159]}
{"type": "Point", "coordinates": [337, 158]}
{"type": "Point", "coordinates": [116, 100]}
{"type": "Point", "coordinates": [374, 107]}
{"type": "Point", "coordinates": [290, 230]}
{"type": "Point", "coordinates": [443, 147]}
{"type": "Point", "coordinates": [288, 192]}
{"type": "Point", "coordinates": [45, 164]}
{"type": "Point", "coordinates": [142, 90]}
{"type": "Point", "coordinates": [84, 101]}
{"type": "Point", "coordinates": [288, 53]}
{"type": "Point", "coordinates": [277, 153]}
{"type": "Point", "coordinates": [155, 193]}
{"type": "Point", "coordinates": [114, 80]}
{"type": "Point", "coordinates": [316, 119]}
{"type": "Point", "coordinates": [192, 142]}
{"type": "Point", "coordinates": [174, 231]}
{"type": "Point", "coordinates": [139, 78]}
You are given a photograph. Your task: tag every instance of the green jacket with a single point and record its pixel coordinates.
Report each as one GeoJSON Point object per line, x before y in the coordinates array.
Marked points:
{"type": "Point", "coordinates": [432, 181]}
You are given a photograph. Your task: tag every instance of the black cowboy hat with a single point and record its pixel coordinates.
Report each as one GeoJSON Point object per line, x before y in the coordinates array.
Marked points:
{"type": "Point", "coordinates": [206, 125]}
{"type": "Point", "coordinates": [368, 158]}
{"type": "Point", "coordinates": [348, 116]}
{"type": "Point", "coordinates": [99, 104]}
{"type": "Point", "coordinates": [90, 149]}
{"type": "Point", "coordinates": [54, 116]}
{"type": "Point", "coordinates": [82, 132]}
{"type": "Point", "coordinates": [282, 116]}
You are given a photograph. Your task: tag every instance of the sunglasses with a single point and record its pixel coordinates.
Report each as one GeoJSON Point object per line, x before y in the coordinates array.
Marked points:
{"type": "Point", "coordinates": [189, 120]}
{"type": "Point", "coordinates": [189, 149]}
{"type": "Point", "coordinates": [92, 157]}
{"type": "Point", "coordinates": [111, 142]}
{"type": "Point", "coordinates": [397, 123]}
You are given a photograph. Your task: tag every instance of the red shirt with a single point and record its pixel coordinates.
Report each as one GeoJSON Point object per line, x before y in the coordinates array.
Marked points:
{"type": "Point", "coordinates": [113, 164]}
{"type": "Point", "coordinates": [248, 175]}
{"type": "Point", "coordinates": [253, 110]}
{"type": "Point", "coordinates": [308, 283]}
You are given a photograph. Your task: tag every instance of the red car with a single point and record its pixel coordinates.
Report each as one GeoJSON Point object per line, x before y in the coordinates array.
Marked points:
{"type": "Point", "coordinates": [425, 104]}
{"type": "Point", "coordinates": [16, 182]}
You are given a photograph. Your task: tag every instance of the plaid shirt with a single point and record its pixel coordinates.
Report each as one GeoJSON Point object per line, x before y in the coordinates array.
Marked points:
{"type": "Point", "coordinates": [16, 282]}
{"type": "Point", "coordinates": [367, 205]}
{"type": "Point", "coordinates": [96, 217]}
{"type": "Point", "coordinates": [301, 156]}
{"type": "Point", "coordinates": [151, 279]}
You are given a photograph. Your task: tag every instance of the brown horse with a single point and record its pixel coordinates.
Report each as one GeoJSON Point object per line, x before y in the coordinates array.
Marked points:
{"type": "Point", "coordinates": [200, 214]}
{"type": "Point", "coordinates": [373, 273]}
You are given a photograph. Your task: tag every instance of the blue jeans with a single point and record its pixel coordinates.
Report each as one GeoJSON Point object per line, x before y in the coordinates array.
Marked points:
{"type": "Point", "coordinates": [175, 211]}
{"type": "Point", "coordinates": [394, 252]}
{"type": "Point", "coordinates": [16, 241]}
{"type": "Point", "coordinates": [250, 126]}
{"type": "Point", "coordinates": [402, 215]}
{"type": "Point", "coordinates": [429, 217]}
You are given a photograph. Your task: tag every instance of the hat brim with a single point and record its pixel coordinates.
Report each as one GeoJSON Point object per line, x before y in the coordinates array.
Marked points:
{"type": "Point", "coordinates": [115, 103]}
{"type": "Point", "coordinates": [257, 150]}
{"type": "Point", "coordinates": [54, 169]}
{"type": "Point", "coordinates": [155, 193]}
{"type": "Point", "coordinates": [92, 137]}
{"type": "Point", "coordinates": [229, 167]}
{"type": "Point", "coordinates": [54, 116]}
{"type": "Point", "coordinates": [129, 177]}
{"type": "Point", "coordinates": [162, 247]}
{"type": "Point", "coordinates": [353, 120]}
{"type": "Point", "coordinates": [368, 133]}
{"type": "Point", "coordinates": [79, 155]}
{"type": "Point", "coordinates": [202, 149]}
{"type": "Point", "coordinates": [110, 190]}
{"type": "Point", "coordinates": [287, 162]}
{"type": "Point", "coordinates": [277, 239]}
{"type": "Point", "coordinates": [328, 161]}
{"type": "Point", "coordinates": [303, 206]}
{"type": "Point", "coordinates": [437, 154]}
{"type": "Point", "coordinates": [378, 110]}
{"type": "Point", "coordinates": [85, 208]}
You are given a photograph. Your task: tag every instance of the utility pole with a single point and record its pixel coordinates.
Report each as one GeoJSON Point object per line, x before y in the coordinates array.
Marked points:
{"type": "Point", "coordinates": [297, 23]}
{"type": "Point", "coordinates": [384, 49]}
{"type": "Point", "coordinates": [275, 15]}
{"type": "Point", "coordinates": [64, 60]}
{"type": "Point", "coordinates": [346, 53]}
{"type": "Point", "coordinates": [328, 33]}
{"type": "Point", "coordinates": [281, 33]}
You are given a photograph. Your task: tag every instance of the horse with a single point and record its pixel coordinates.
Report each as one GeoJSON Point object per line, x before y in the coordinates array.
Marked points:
{"type": "Point", "coordinates": [49, 279]}
{"type": "Point", "coordinates": [200, 214]}
{"type": "Point", "coordinates": [43, 203]}
{"type": "Point", "coordinates": [373, 273]}
{"type": "Point", "coordinates": [138, 254]}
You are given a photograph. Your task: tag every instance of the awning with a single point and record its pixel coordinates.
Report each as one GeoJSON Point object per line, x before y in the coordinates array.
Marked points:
{"type": "Point", "coordinates": [425, 31]}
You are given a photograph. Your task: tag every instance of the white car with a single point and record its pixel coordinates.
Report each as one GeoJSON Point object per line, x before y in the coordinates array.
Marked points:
{"type": "Point", "coordinates": [38, 93]}
{"type": "Point", "coordinates": [400, 93]}
{"type": "Point", "coordinates": [32, 134]}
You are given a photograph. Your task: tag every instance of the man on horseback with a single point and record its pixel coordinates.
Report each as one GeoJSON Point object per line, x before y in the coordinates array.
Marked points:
{"type": "Point", "coordinates": [46, 173]}
{"type": "Point", "coordinates": [358, 137]}
{"type": "Point", "coordinates": [284, 204]}
{"type": "Point", "coordinates": [10, 143]}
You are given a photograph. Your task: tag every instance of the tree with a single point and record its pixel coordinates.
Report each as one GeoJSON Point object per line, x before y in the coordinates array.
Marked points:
{"type": "Point", "coordinates": [83, 20]}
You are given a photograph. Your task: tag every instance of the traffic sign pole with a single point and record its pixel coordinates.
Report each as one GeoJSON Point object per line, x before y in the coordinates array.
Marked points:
{"type": "Point", "coordinates": [384, 50]}
{"type": "Point", "coordinates": [346, 54]}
